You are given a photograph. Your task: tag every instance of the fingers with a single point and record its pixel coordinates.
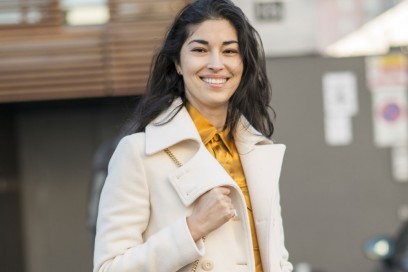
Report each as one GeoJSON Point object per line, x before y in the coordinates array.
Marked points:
{"type": "Point", "coordinates": [221, 190]}
{"type": "Point", "coordinates": [227, 209]}
{"type": "Point", "coordinates": [211, 210]}
{"type": "Point", "coordinates": [233, 213]}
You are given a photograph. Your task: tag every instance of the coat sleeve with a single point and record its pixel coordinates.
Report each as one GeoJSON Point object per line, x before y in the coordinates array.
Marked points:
{"type": "Point", "coordinates": [123, 217]}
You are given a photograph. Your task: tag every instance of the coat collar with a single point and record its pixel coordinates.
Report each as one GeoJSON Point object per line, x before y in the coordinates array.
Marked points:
{"type": "Point", "coordinates": [247, 137]}
{"type": "Point", "coordinates": [161, 134]}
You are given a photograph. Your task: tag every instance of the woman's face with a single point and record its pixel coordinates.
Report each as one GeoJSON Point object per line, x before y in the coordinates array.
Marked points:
{"type": "Point", "coordinates": [211, 65]}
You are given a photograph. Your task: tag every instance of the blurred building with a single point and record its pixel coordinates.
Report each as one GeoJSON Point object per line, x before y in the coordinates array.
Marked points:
{"type": "Point", "coordinates": [70, 74]}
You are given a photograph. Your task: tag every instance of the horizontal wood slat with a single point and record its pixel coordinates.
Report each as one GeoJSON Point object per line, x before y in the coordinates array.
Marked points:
{"type": "Point", "coordinates": [52, 65]}
{"type": "Point", "coordinates": [129, 10]}
{"type": "Point", "coordinates": [18, 3]}
{"type": "Point", "coordinates": [58, 62]}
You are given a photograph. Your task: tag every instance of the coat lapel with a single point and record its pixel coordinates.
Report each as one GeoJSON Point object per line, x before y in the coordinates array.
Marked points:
{"type": "Point", "coordinates": [261, 161]}
{"type": "Point", "coordinates": [262, 167]}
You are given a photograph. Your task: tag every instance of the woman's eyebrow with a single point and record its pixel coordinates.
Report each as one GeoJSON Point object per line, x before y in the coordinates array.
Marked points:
{"type": "Point", "coordinates": [206, 42]}
{"type": "Point", "coordinates": [229, 42]}
{"type": "Point", "coordinates": [199, 41]}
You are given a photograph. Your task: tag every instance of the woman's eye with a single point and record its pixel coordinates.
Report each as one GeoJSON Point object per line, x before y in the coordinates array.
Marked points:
{"type": "Point", "coordinates": [231, 51]}
{"type": "Point", "coordinates": [199, 50]}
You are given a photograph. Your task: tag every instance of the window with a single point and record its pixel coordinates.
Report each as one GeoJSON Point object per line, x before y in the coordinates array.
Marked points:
{"type": "Point", "coordinates": [85, 12]}
{"type": "Point", "coordinates": [28, 12]}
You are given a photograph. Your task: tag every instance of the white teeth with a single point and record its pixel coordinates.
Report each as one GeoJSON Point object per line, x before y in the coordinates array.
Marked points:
{"type": "Point", "coordinates": [215, 80]}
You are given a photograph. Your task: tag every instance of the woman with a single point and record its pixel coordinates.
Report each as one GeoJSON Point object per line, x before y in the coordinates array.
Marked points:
{"type": "Point", "coordinates": [195, 188]}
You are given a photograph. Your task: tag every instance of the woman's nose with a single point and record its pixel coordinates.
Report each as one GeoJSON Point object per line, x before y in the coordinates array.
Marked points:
{"type": "Point", "coordinates": [215, 62]}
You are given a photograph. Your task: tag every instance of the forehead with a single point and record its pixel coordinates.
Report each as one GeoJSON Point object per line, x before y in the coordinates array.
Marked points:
{"type": "Point", "coordinates": [214, 29]}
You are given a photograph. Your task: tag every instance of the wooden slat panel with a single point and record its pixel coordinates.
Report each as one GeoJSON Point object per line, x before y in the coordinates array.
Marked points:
{"type": "Point", "coordinates": [22, 3]}
{"type": "Point", "coordinates": [57, 62]}
{"type": "Point", "coordinates": [131, 46]}
{"type": "Point", "coordinates": [47, 33]}
{"type": "Point", "coordinates": [131, 10]}
{"type": "Point", "coordinates": [57, 93]}
{"type": "Point", "coordinates": [52, 65]}
{"type": "Point", "coordinates": [49, 74]}
{"type": "Point", "coordinates": [49, 67]}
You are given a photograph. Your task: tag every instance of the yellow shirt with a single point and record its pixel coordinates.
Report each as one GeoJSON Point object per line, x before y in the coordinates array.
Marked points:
{"type": "Point", "coordinates": [225, 152]}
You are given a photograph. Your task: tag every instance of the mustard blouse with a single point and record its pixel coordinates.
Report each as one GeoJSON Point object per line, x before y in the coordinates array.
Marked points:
{"type": "Point", "coordinates": [225, 152]}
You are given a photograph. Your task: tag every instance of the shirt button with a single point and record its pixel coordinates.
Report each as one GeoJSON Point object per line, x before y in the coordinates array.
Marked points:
{"type": "Point", "coordinates": [216, 137]}
{"type": "Point", "coordinates": [207, 265]}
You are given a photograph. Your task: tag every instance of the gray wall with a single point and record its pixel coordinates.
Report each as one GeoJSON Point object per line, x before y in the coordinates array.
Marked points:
{"type": "Point", "coordinates": [11, 244]}
{"type": "Point", "coordinates": [57, 141]}
{"type": "Point", "coordinates": [333, 197]}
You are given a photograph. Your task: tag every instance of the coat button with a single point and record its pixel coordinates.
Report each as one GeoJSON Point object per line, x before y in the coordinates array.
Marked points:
{"type": "Point", "coordinates": [207, 265]}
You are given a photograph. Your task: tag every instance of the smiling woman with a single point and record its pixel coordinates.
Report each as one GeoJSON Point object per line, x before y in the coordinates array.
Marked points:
{"type": "Point", "coordinates": [211, 67]}
{"type": "Point", "coordinates": [194, 186]}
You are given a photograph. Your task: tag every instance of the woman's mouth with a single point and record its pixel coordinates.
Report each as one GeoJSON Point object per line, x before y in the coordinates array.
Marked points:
{"type": "Point", "coordinates": [214, 81]}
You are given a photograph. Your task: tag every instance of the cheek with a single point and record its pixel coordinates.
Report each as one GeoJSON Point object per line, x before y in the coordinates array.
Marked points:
{"type": "Point", "coordinates": [184, 63]}
{"type": "Point", "coordinates": [189, 67]}
{"type": "Point", "coordinates": [238, 68]}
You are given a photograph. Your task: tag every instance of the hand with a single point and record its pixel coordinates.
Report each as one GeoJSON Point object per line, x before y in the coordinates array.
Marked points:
{"type": "Point", "coordinates": [211, 210]}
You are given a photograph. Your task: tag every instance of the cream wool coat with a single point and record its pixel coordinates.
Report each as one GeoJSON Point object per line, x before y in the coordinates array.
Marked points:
{"type": "Point", "coordinates": [146, 199]}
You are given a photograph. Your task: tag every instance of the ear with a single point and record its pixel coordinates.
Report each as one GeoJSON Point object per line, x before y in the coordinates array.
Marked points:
{"type": "Point", "coordinates": [178, 68]}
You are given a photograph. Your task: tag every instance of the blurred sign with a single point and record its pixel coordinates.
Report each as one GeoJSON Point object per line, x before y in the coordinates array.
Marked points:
{"type": "Point", "coordinates": [389, 70]}
{"type": "Point", "coordinates": [269, 10]}
{"type": "Point", "coordinates": [400, 163]}
{"type": "Point", "coordinates": [387, 79]}
{"type": "Point", "coordinates": [338, 130]}
{"type": "Point", "coordinates": [390, 116]}
{"type": "Point", "coordinates": [340, 104]}
{"type": "Point", "coordinates": [340, 93]}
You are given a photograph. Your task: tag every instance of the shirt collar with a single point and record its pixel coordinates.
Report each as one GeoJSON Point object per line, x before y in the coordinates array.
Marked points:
{"type": "Point", "coordinates": [245, 137]}
{"type": "Point", "coordinates": [206, 130]}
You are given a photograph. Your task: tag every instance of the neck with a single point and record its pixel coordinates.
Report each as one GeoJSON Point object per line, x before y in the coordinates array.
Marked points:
{"type": "Point", "coordinates": [216, 116]}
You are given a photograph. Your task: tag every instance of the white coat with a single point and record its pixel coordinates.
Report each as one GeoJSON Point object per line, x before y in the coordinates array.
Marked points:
{"type": "Point", "coordinates": [146, 199]}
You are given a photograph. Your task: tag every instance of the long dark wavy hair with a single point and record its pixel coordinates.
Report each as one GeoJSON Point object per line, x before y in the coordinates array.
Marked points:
{"type": "Point", "coordinates": [253, 94]}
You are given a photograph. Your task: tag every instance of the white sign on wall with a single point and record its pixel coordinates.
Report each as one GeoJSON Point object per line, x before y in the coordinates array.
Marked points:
{"type": "Point", "coordinates": [400, 163]}
{"type": "Point", "coordinates": [340, 93]}
{"type": "Point", "coordinates": [387, 79]}
{"type": "Point", "coordinates": [269, 10]}
{"type": "Point", "coordinates": [384, 71]}
{"type": "Point", "coordinates": [340, 104]}
{"type": "Point", "coordinates": [390, 116]}
{"type": "Point", "coordinates": [338, 130]}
